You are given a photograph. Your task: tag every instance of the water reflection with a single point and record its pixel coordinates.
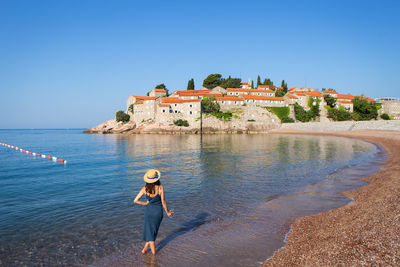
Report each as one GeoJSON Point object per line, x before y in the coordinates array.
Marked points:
{"type": "Point", "coordinates": [217, 185]}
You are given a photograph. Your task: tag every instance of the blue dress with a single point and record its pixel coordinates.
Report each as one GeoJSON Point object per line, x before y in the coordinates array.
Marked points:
{"type": "Point", "coordinates": [153, 215]}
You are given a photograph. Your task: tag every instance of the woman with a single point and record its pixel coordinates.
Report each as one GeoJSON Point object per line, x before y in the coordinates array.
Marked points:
{"type": "Point", "coordinates": [153, 214]}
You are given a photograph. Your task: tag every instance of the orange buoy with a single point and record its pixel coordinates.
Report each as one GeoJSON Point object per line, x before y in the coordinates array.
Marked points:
{"type": "Point", "coordinates": [38, 155]}
{"type": "Point", "coordinates": [24, 150]}
{"type": "Point", "coordinates": [30, 153]}
{"type": "Point", "coordinates": [49, 157]}
{"type": "Point", "coordinates": [60, 160]}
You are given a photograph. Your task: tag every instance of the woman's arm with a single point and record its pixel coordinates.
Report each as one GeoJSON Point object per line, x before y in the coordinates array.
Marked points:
{"type": "Point", "coordinates": [164, 203]}
{"type": "Point", "coordinates": [141, 193]}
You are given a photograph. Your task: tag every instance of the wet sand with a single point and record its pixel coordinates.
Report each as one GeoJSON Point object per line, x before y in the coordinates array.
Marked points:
{"type": "Point", "coordinates": [364, 232]}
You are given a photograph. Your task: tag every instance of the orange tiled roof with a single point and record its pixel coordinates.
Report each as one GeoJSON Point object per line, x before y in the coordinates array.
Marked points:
{"type": "Point", "coordinates": [199, 94]}
{"type": "Point", "coordinates": [163, 105]}
{"type": "Point", "coordinates": [299, 93]}
{"type": "Point", "coordinates": [260, 97]}
{"type": "Point", "coordinates": [345, 102]}
{"type": "Point", "coordinates": [138, 102]}
{"type": "Point", "coordinates": [159, 90]}
{"type": "Point", "coordinates": [343, 96]}
{"type": "Point", "coordinates": [178, 100]}
{"type": "Point", "coordinates": [229, 98]}
{"type": "Point", "coordinates": [245, 83]}
{"type": "Point", "coordinates": [145, 97]}
{"type": "Point", "coordinates": [291, 96]}
{"type": "Point", "coordinates": [329, 92]}
{"type": "Point", "coordinates": [248, 90]}
{"type": "Point", "coordinates": [264, 86]}
{"type": "Point", "coordinates": [314, 93]}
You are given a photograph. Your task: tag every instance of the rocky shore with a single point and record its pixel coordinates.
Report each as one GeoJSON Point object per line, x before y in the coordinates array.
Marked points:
{"type": "Point", "coordinates": [365, 232]}
{"type": "Point", "coordinates": [214, 125]}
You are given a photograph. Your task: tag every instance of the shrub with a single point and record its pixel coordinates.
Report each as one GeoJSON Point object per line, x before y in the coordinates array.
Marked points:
{"type": "Point", "coordinates": [130, 109]}
{"type": "Point", "coordinates": [209, 105]}
{"type": "Point", "coordinates": [313, 104]}
{"type": "Point", "coordinates": [301, 114]}
{"type": "Point", "coordinates": [251, 120]}
{"type": "Point", "coordinates": [363, 110]}
{"type": "Point", "coordinates": [121, 116]}
{"type": "Point", "coordinates": [181, 123]}
{"type": "Point", "coordinates": [385, 116]}
{"type": "Point", "coordinates": [226, 116]}
{"type": "Point", "coordinates": [287, 120]}
{"type": "Point", "coordinates": [330, 100]}
{"type": "Point", "coordinates": [339, 114]}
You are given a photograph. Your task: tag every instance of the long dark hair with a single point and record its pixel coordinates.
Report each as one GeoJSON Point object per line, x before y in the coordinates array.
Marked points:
{"type": "Point", "coordinates": [150, 187]}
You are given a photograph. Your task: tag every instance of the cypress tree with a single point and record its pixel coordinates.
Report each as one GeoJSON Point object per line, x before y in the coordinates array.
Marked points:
{"type": "Point", "coordinates": [258, 81]}
{"type": "Point", "coordinates": [190, 85]}
{"type": "Point", "coordinates": [252, 84]}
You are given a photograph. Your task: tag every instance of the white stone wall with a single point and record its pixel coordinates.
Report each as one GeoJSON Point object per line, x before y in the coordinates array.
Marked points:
{"type": "Point", "coordinates": [265, 103]}
{"type": "Point", "coordinates": [343, 126]}
{"type": "Point", "coordinates": [391, 108]}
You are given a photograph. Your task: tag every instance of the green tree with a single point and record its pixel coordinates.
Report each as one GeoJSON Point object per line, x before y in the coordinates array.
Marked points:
{"type": "Point", "coordinates": [300, 113]}
{"type": "Point", "coordinates": [340, 114]}
{"type": "Point", "coordinates": [190, 85]}
{"type": "Point", "coordinates": [330, 100]}
{"type": "Point", "coordinates": [130, 109]}
{"type": "Point", "coordinates": [162, 86]}
{"type": "Point", "coordinates": [209, 105]}
{"type": "Point", "coordinates": [258, 80]}
{"type": "Point", "coordinates": [212, 81]}
{"type": "Point", "coordinates": [284, 86]}
{"type": "Point", "coordinates": [268, 82]}
{"type": "Point", "coordinates": [252, 84]}
{"type": "Point", "coordinates": [230, 82]}
{"type": "Point", "coordinates": [313, 104]}
{"type": "Point", "coordinates": [121, 116]}
{"type": "Point", "coordinates": [364, 110]}
{"type": "Point", "coordinates": [279, 93]}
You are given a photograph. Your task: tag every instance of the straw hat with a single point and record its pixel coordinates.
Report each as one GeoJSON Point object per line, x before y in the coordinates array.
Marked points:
{"type": "Point", "coordinates": [152, 176]}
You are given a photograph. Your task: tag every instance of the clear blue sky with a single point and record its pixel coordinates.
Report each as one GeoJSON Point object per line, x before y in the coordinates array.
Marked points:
{"type": "Point", "coordinates": [66, 64]}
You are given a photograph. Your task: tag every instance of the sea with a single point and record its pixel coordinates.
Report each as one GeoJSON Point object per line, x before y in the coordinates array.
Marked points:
{"type": "Point", "coordinates": [234, 196]}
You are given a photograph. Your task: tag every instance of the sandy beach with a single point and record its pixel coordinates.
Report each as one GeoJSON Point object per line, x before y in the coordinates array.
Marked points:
{"type": "Point", "coordinates": [364, 232]}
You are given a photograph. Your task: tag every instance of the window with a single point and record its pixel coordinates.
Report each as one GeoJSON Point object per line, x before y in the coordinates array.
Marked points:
{"type": "Point", "coordinates": [223, 102]}
{"type": "Point", "coordinates": [176, 111]}
{"type": "Point", "coordinates": [235, 102]}
{"type": "Point", "coordinates": [163, 110]}
{"type": "Point", "coordinates": [170, 111]}
{"type": "Point", "coordinates": [175, 105]}
{"type": "Point", "coordinates": [190, 113]}
{"type": "Point", "coordinates": [190, 105]}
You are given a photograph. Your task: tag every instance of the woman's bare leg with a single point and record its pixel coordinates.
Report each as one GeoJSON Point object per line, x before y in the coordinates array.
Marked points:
{"type": "Point", "coordinates": [146, 246]}
{"type": "Point", "coordinates": [152, 247]}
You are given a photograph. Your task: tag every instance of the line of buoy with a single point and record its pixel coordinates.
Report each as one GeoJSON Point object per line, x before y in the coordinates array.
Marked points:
{"type": "Point", "coordinates": [35, 154]}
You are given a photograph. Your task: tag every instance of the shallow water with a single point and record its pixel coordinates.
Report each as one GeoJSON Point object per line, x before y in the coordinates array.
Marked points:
{"type": "Point", "coordinates": [234, 196]}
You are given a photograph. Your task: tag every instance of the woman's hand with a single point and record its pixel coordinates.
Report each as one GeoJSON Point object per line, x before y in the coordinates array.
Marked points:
{"type": "Point", "coordinates": [147, 203]}
{"type": "Point", "coordinates": [170, 213]}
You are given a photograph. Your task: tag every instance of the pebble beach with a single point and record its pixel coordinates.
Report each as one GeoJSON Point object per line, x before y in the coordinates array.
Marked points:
{"type": "Point", "coordinates": [365, 232]}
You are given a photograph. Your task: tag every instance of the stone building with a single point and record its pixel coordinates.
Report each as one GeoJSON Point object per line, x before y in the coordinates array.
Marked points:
{"type": "Point", "coordinates": [264, 101]}
{"type": "Point", "coordinates": [240, 91]}
{"type": "Point", "coordinates": [171, 109]}
{"type": "Point", "coordinates": [390, 106]}
{"type": "Point", "coordinates": [330, 92]}
{"type": "Point", "coordinates": [228, 102]}
{"type": "Point", "coordinates": [158, 92]}
{"type": "Point", "coordinates": [347, 104]}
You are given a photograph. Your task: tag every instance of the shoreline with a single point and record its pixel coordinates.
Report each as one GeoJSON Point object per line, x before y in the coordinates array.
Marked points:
{"type": "Point", "coordinates": [365, 231]}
